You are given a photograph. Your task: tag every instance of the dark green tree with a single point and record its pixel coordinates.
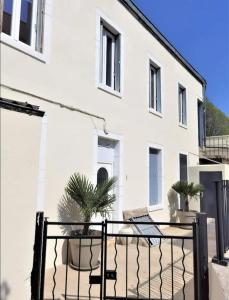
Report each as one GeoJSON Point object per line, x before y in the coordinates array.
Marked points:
{"type": "Point", "coordinates": [217, 123]}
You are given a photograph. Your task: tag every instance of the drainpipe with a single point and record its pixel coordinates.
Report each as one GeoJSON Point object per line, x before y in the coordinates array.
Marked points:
{"type": "Point", "coordinates": [204, 100]}
{"type": "Point", "coordinates": [42, 165]}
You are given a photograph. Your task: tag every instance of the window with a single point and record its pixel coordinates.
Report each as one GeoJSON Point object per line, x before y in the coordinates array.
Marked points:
{"type": "Point", "coordinates": [155, 88]}
{"type": "Point", "coordinates": [155, 177]}
{"type": "Point", "coordinates": [102, 175]}
{"type": "Point", "coordinates": [201, 125]}
{"type": "Point", "coordinates": [110, 57]}
{"type": "Point", "coordinates": [183, 174]}
{"type": "Point", "coordinates": [23, 21]}
{"type": "Point", "coordinates": [182, 106]}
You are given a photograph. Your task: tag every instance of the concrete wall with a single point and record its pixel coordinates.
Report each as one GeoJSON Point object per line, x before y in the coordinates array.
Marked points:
{"type": "Point", "coordinates": [218, 282]}
{"type": "Point", "coordinates": [20, 142]}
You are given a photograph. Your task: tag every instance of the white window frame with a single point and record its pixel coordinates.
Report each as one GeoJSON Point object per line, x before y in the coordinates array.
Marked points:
{"type": "Point", "coordinates": [105, 34]}
{"type": "Point", "coordinates": [160, 205]}
{"type": "Point", "coordinates": [181, 98]}
{"type": "Point", "coordinates": [13, 41]}
{"type": "Point", "coordinates": [154, 62]}
{"type": "Point", "coordinates": [101, 18]}
{"type": "Point", "coordinates": [153, 102]}
{"type": "Point", "coordinates": [15, 25]}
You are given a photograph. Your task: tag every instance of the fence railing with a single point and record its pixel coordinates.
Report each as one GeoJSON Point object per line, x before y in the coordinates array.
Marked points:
{"type": "Point", "coordinates": [222, 222]}
{"type": "Point", "coordinates": [217, 148]}
{"type": "Point", "coordinates": [128, 268]}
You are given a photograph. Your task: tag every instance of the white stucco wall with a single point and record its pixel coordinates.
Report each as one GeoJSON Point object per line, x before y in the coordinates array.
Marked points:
{"type": "Point", "coordinates": [69, 76]}
{"type": "Point", "coordinates": [20, 141]}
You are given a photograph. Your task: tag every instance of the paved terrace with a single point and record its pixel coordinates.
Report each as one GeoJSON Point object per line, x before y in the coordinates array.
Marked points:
{"type": "Point", "coordinates": [145, 286]}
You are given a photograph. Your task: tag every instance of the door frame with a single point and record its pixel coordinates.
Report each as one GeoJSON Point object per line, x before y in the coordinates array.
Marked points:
{"type": "Point", "coordinates": [119, 155]}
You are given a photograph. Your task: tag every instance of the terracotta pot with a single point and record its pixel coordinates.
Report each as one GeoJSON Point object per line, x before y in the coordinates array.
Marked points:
{"type": "Point", "coordinates": [186, 217]}
{"type": "Point", "coordinates": [87, 250]}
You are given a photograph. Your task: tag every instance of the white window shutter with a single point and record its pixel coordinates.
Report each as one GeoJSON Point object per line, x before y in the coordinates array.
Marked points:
{"type": "Point", "coordinates": [117, 64]}
{"type": "Point", "coordinates": [40, 25]}
{"type": "Point", "coordinates": [158, 91]}
{"type": "Point", "coordinates": [184, 110]}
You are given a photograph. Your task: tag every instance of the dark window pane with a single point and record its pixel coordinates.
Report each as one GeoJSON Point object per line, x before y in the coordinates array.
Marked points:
{"type": "Point", "coordinates": [117, 64]}
{"type": "Point", "coordinates": [158, 90]}
{"type": "Point", "coordinates": [102, 176]}
{"type": "Point", "coordinates": [109, 61]}
{"type": "Point", "coordinates": [152, 83]}
{"type": "Point", "coordinates": [183, 176]}
{"type": "Point", "coordinates": [7, 16]}
{"type": "Point", "coordinates": [26, 21]}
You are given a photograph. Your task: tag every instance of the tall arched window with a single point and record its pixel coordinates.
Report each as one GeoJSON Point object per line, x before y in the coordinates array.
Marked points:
{"type": "Point", "coordinates": [102, 175]}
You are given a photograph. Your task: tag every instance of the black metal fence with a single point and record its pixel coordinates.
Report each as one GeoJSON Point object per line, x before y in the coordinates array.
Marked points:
{"type": "Point", "coordinates": [222, 222]}
{"type": "Point", "coordinates": [128, 268]}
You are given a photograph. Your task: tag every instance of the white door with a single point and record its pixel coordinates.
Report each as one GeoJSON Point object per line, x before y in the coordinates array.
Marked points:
{"type": "Point", "coordinates": [104, 172]}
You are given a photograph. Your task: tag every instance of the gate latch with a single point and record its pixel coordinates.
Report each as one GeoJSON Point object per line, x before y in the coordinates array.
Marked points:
{"type": "Point", "coordinates": [111, 275]}
{"type": "Point", "coordinates": [95, 279]}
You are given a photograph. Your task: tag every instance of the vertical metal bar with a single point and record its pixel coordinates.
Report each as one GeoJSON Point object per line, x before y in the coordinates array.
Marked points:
{"type": "Point", "coordinates": [149, 268]}
{"type": "Point", "coordinates": [37, 257]}
{"type": "Point", "coordinates": [66, 272]}
{"type": "Point", "coordinates": [115, 260]}
{"type": "Point", "coordinates": [44, 244]}
{"type": "Point", "coordinates": [91, 255]}
{"type": "Point", "coordinates": [78, 288]}
{"type": "Point", "coordinates": [219, 222]}
{"type": "Point", "coordinates": [138, 267]}
{"type": "Point", "coordinates": [183, 274]}
{"type": "Point", "coordinates": [102, 262]}
{"type": "Point", "coordinates": [160, 269]}
{"type": "Point", "coordinates": [227, 213]}
{"type": "Point", "coordinates": [203, 256]}
{"type": "Point", "coordinates": [105, 262]}
{"type": "Point", "coordinates": [172, 278]}
{"type": "Point", "coordinates": [195, 260]}
{"type": "Point", "coordinates": [126, 267]}
{"type": "Point", "coordinates": [54, 273]}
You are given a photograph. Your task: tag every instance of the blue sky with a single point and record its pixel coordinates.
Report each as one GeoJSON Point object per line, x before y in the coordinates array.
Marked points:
{"type": "Point", "coordinates": [199, 30]}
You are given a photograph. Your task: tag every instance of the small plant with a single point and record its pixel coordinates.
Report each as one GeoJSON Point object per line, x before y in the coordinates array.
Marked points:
{"type": "Point", "coordinates": [90, 199]}
{"type": "Point", "coordinates": [188, 191]}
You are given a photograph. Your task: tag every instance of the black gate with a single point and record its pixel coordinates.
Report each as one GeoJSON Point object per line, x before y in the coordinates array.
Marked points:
{"type": "Point", "coordinates": [128, 268]}
{"type": "Point", "coordinates": [222, 221]}
{"type": "Point", "coordinates": [208, 201]}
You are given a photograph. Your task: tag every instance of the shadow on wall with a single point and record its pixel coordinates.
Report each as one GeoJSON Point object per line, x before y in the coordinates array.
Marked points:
{"type": "Point", "coordinates": [4, 290]}
{"type": "Point", "coordinates": [173, 205]}
{"type": "Point", "coordinates": [68, 211]}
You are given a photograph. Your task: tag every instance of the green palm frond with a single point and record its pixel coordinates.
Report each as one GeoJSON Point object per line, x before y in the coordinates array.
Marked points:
{"type": "Point", "coordinates": [90, 199]}
{"type": "Point", "coordinates": [187, 189]}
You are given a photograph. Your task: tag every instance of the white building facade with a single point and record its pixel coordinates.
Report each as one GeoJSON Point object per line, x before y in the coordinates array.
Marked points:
{"type": "Point", "coordinates": [118, 99]}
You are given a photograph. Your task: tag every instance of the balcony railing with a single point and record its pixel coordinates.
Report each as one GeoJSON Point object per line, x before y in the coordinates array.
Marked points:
{"type": "Point", "coordinates": [217, 148]}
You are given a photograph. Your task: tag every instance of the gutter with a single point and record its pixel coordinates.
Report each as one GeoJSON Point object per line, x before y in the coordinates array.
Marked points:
{"type": "Point", "coordinates": [22, 107]}
{"type": "Point", "coordinates": [133, 9]}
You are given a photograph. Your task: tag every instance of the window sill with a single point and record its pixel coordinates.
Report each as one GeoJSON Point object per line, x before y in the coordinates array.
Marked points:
{"type": "Point", "coordinates": [156, 113]}
{"type": "Point", "coordinates": [109, 90]}
{"type": "Point", "coordinates": [183, 126]}
{"type": "Point", "coordinates": [9, 41]}
{"type": "Point", "coordinates": [156, 207]}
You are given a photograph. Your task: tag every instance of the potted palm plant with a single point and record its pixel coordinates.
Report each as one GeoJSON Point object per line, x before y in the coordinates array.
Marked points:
{"type": "Point", "coordinates": [187, 191]}
{"type": "Point", "coordinates": [90, 200]}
